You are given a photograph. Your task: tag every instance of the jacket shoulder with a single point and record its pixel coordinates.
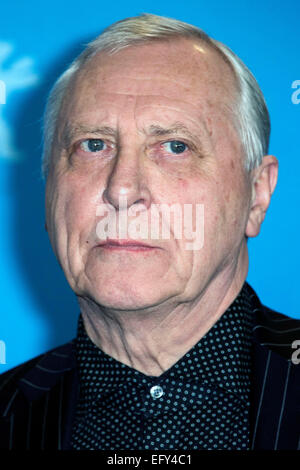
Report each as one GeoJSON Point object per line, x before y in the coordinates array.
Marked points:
{"type": "Point", "coordinates": [37, 375]}
{"type": "Point", "coordinates": [274, 315]}
{"type": "Point", "coordinates": [37, 401]}
{"type": "Point", "coordinates": [274, 330]}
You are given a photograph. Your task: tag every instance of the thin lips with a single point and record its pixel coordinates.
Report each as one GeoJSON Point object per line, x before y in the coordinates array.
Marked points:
{"type": "Point", "coordinates": [125, 243]}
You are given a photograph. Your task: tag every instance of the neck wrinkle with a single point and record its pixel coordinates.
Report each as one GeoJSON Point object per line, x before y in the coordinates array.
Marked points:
{"type": "Point", "coordinates": [151, 341]}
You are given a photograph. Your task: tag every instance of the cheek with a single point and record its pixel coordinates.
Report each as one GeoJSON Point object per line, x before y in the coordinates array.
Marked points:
{"type": "Point", "coordinates": [233, 204]}
{"type": "Point", "coordinates": [72, 209]}
{"type": "Point", "coordinates": [79, 212]}
{"type": "Point", "coordinates": [224, 196]}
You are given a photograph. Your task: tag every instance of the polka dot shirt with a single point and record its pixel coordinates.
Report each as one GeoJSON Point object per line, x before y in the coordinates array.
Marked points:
{"type": "Point", "coordinates": [201, 402]}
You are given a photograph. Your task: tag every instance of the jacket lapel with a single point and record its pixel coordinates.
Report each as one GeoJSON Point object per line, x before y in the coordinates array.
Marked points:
{"type": "Point", "coordinates": [276, 381]}
{"type": "Point", "coordinates": [40, 404]}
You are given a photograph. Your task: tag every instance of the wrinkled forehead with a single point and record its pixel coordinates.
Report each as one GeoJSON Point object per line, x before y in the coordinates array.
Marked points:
{"type": "Point", "coordinates": [172, 68]}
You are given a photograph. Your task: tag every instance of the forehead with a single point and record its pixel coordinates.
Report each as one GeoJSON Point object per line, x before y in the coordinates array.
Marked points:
{"type": "Point", "coordinates": [170, 69]}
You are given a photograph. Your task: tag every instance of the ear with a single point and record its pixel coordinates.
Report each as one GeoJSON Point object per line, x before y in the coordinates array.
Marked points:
{"type": "Point", "coordinates": [264, 179]}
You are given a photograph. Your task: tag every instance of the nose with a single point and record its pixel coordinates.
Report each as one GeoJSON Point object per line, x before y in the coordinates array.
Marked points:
{"type": "Point", "coordinates": [126, 183]}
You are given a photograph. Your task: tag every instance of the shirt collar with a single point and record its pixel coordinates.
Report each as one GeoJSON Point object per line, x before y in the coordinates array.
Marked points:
{"type": "Point", "coordinates": [221, 358]}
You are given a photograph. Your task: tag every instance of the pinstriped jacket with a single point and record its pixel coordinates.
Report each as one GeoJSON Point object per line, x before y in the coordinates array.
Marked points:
{"type": "Point", "coordinates": [38, 398]}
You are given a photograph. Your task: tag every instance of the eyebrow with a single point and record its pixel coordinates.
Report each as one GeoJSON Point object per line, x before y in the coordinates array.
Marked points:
{"type": "Point", "coordinates": [70, 132]}
{"type": "Point", "coordinates": [156, 130]}
{"type": "Point", "coordinates": [179, 128]}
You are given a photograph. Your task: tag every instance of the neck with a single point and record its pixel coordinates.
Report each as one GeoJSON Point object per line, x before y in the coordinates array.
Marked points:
{"type": "Point", "coordinates": [153, 339]}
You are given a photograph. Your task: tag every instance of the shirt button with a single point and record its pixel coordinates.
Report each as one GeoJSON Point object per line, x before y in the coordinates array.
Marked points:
{"type": "Point", "coordinates": [156, 391]}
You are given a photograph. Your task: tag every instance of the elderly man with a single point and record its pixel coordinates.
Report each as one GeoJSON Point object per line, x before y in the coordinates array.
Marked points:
{"type": "Point", "coordinates": [174, 349]}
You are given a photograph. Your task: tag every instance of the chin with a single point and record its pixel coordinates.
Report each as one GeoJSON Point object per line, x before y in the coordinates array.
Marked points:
{"type": "Point", "coordinates": [127, 299]}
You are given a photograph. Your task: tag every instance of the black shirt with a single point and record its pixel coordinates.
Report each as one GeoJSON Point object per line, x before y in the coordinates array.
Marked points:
{"type": "Point", "coordinates": [201, 402]}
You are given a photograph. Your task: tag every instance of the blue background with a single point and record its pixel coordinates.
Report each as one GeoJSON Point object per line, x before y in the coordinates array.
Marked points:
{"type": "Point", "coordinates": [38, 309]}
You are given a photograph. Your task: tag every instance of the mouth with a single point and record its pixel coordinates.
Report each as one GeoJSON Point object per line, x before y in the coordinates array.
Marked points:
{"type": "Point", "coordinates": [125, 245]}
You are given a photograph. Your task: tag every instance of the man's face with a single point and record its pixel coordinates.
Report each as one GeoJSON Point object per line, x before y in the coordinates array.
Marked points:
{"type": "Point", "coordinates": [115, 139]}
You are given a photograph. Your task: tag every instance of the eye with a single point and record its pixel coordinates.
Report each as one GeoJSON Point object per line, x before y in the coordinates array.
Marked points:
{"type": "Point", "coordinates": [175, 146]}
{"type": "Point", "coordinates": [93, 145]}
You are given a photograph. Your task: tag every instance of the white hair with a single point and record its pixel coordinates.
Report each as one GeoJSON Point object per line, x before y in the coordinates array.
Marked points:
{"type": "Point", "coordinates": [251, 117]}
